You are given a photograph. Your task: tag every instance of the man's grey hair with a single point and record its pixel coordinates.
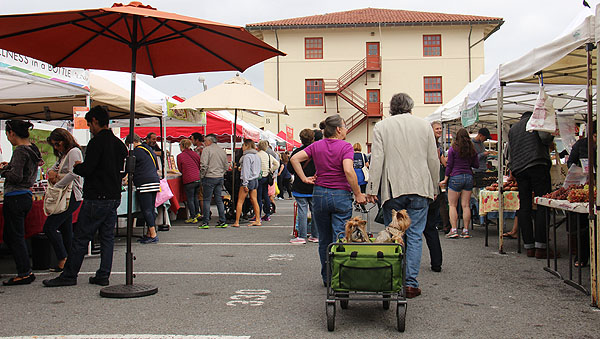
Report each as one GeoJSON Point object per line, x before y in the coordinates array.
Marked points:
{"type": "Point", "coordinates": [437, 122]}
{"type": "Point", "coordinates": [263, 145]}
{"type": "Point", "coordinates": [212, 138]}
{"type": "Point", "coordinates": [401, 103]}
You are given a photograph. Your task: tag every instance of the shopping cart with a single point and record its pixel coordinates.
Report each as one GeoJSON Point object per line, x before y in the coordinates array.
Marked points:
{"type": "Point", "coordinates": [366, 272]}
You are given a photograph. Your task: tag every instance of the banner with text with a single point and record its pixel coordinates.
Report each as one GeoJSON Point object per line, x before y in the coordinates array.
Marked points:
{"type": "Point", "coordinates": [73, 76]}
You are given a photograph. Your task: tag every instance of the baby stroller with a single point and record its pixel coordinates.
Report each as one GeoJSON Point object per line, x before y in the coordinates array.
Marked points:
{"type": "Point", "coordinates": [231, 202]}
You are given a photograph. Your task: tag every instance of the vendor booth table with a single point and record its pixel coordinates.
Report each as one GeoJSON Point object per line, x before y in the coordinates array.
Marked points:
{"type": "Point", "coordinates": [573, 212]}
{"type": "Point", "coordinates": [489, 202]}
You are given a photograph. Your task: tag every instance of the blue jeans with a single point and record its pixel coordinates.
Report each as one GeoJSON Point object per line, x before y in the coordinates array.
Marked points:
{"type": "Point", "coordinates": [95, 215]}
{"type": "Point", "coordinates": [147, 202]}
{"type": "Point", "coordinates": [417, 207]}
{"type": "Point", "coordinates": [210, 187]}
{"type": "Point", "coordinates": [15, 210]}
{"type": "Point", "coordinates": [191, 192]}
{"type": "Point", "coordinates": [305, 203]}
{"type": "Point", "coordinates": [461, 182]}
{"type": "Point", "coordinates": [59, 229]}
{"type": "Point", "coordinates": [332, 208]}
{"type": "Point", "coordinates": [264, 203]}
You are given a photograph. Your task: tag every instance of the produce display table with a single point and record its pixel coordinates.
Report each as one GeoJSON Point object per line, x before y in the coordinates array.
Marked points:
{"type": "Point", "coordinates": [575, 212]}
{"type": "Point", "coordinates": [488, 201]}
{"type": "Point", "coordinates": [34, 222]}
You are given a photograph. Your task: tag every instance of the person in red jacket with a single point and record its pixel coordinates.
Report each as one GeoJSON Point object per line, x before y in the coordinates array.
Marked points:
{"type": "Point", "coordinates": [188, 163]}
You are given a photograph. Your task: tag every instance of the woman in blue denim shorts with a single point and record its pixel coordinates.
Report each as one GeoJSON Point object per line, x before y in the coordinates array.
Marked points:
{"type": "Point", "coordinates": [459, 179]}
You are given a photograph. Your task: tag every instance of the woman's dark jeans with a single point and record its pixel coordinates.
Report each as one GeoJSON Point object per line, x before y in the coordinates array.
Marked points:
{"type": "Point", "coordinates": [147, 201]}
{"type": "Point", "coordinates": [191, 192]}
{"type": "Point", "coordinates": [264, 202]}
{"type": "Point", "coordinates": [15, 210]}
{"type": "Point", "coordinates": [59, 229]}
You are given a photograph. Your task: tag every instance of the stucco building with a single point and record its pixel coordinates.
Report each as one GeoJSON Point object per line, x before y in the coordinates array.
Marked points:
{"type": "Point", "coordinates": [353, 62]}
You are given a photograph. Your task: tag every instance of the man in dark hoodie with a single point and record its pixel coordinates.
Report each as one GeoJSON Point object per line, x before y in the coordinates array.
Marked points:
{"type": "Point", "coordinates": [19, 174]}
{"type": "Point", "coordinates": [102, 171]}
{"type": "Point", "coordinates": [302, 192]}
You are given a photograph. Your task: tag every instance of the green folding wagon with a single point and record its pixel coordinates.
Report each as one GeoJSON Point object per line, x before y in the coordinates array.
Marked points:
{"type": "Point", "coordinates": [366, 272]}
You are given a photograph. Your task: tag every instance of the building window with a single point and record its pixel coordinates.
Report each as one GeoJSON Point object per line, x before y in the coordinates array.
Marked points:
{"type": "Point", "coordinates": [433, 90]}
{"type": "Point", "coordinates": [313, 48]}
{"type": "Point", "coordinates": [314, 92]}
{"type": "Point", "coordinates": [432, 45]}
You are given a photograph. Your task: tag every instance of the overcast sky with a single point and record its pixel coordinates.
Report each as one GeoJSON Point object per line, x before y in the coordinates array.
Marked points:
{"type": "Point", "coordinates": [528, 23]}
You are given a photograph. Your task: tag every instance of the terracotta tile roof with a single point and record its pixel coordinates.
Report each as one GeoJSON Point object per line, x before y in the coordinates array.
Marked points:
{"type": "Point", "coordinates": [374, 16]}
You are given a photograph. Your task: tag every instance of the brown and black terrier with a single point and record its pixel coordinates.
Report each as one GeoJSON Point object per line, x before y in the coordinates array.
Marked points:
{"type": "Point", "coordinates": [356, 231]}
{"type": "Point", "coordinates": [395, 231]}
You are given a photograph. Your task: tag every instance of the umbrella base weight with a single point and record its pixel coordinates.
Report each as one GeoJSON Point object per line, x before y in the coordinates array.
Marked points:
{"type": "Point", "coordinates": [128, 291]}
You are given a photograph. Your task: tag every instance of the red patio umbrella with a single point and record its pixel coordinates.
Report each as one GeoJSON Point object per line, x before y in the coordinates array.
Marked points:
{"type": "Point", "coordinates": [134, 38]}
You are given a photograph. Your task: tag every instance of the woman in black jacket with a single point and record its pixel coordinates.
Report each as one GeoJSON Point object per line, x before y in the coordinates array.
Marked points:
{"type": "Point", "coordinates": [147, 184]}
{"type": "Point", "coordinates": [303, 193]}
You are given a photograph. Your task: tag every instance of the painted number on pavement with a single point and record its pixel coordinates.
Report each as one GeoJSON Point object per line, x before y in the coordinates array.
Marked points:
{"type": "Point", "coordinates": [281, 257]}
{"type": "Point", "coordinates": [248, 297]}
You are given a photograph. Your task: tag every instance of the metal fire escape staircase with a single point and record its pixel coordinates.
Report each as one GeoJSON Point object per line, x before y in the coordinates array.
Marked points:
{"type": "Point", "coordinates": [341, 88]}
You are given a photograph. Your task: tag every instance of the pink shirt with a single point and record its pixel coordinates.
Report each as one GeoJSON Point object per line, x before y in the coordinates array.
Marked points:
{"type": "Point", "coordinates": [328, 155]}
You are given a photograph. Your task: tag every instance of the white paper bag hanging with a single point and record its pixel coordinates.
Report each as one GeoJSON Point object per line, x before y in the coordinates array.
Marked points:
{"type": "Point", "coordinates": [544, 116]}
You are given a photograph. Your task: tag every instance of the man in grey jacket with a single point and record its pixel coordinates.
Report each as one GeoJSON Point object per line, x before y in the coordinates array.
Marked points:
{"type": "Point", "coordinates": [404, 174]}
{"type": "Point", "coordinates": [530, 165]}
{"type": "Point", "coordinates": [213, 165]}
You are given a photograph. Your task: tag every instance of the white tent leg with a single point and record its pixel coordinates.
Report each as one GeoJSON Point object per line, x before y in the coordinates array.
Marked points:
{"type": "Point", "coordinates": [500, 171]}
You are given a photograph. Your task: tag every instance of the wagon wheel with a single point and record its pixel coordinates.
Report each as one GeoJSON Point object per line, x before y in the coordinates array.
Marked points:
{"type": "Point", "coordinates": [330, 311]}
{"type": "Point", "coordinates": [344, 303]}
{"type": "Point", "coordinates": [386, 303]}
{"type": "Point", "coordinates": [401, 316]}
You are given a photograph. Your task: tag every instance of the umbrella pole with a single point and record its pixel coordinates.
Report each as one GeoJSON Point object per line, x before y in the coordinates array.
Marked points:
{"type": "Point", "coordinates": [233, 170]}
{"type": "Point", "coordinates": [129, 290]}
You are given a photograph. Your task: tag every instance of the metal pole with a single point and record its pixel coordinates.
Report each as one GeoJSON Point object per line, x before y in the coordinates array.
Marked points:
{"type": "Point", "coordinates": [233, 158]}
{"type": "Point", "coordinates": [500, 109]}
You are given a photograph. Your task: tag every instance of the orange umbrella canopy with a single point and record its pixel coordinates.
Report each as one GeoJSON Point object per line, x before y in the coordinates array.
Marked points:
{"type": "Point", "coordinates": [104, 38]}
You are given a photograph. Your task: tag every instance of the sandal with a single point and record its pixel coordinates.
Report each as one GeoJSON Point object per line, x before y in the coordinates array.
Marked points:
{"type": "Point", "coordinates": [509, 235]}
{"type": "Point", "coordinates": [19, 280]}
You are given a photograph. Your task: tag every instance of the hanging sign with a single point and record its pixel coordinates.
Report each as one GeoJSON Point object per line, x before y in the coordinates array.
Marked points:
{"type": "Point", "coordinates": [289, 133]}
{"type": "Point", "coordinates": [469, 116]}
{"type": "Point", "coordinates": [79, 113]}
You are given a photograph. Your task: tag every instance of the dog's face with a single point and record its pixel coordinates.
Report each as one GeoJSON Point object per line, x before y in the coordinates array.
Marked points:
{"type": "Point", "coordinates": [400, 220]}
{"type": "Point", "coordinates": [356, 230]}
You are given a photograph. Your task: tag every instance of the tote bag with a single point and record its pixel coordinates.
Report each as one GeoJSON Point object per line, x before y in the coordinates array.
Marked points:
{"type": "Point", "coordinates": [56, 200]}
{"type": "Point", "coordinates": [164, 194]}
{"type": "Point", "coordinates": [543, 118]}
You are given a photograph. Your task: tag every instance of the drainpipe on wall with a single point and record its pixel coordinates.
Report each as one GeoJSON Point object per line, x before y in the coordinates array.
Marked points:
{"type": "Point", "coordinates": [469, 44]}
{"type": "Point", "coordinates": [277, 42]}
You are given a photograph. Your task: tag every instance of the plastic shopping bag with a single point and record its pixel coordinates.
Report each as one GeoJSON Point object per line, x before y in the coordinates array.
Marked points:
{"type": "Point", "coordinates": [544, 117]}
{"type": "Point", "coordinates": [164, 194]}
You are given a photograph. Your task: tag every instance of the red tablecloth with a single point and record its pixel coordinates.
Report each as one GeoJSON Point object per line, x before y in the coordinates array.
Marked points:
{"type": "Point", "coordinates": [176, 186]}
{"type": "Point", "coordinates": [34, 222]}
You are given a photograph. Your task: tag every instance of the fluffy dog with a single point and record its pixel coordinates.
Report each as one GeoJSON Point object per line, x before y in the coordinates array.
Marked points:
{"type": "Point", "coordinates": [395, 231]}
{"type": "Point", "coordinates": [356, 231]}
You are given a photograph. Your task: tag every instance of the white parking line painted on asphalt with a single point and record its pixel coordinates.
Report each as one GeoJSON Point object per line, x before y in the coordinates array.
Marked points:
{"type": "Point", "coordinates": [265, 274]}
{"type": "Point", "coordinates": [223, 244]}
{"type": "Point", "coordinates": [129, 336]}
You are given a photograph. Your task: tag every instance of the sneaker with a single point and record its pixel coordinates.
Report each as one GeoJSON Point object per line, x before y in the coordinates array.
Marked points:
{"type": "Point", "coordinates": [100, 281]}
{"type": "Point", "coordinates": [199, 216]}
{"type": "Point", "coordinates": [266, 218]}
{"type": "Point", "coordinates": [143, 238]}
{"type": "Point", "coordinates": [298, 241]}
{"type": "Point", "coordinates": [313, 239]}
{"type": "Point", "coordinates": [465, 234]}
{"type": "Point", "coordinates": [203, 226]}
{"type": "Point", "coordinates": [452, 234]}
{"type": "Point", "coordinates": [222, 224]}
{"type": "Point", "coordinates": [191, 221]}
{"type": "Point", "coordinates": [149, 240]}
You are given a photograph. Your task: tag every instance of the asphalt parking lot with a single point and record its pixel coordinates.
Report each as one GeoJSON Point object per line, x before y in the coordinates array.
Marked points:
{"type": "Point", "coordinates": [250, 282]}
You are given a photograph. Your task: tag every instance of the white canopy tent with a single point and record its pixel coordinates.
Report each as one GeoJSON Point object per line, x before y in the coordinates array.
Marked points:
{"type": "Point", "coordinates": [563, 65]}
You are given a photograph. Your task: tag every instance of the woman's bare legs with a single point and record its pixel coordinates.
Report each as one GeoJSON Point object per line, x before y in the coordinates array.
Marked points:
{"type": "Point", "coordinates": [453, 198]}
{"type": "Point", "coordinates": [254, 202]}
{"type": "Point", "coordinates": [465, 202]}
{"type": "Point", "coordinates": [240, 204]}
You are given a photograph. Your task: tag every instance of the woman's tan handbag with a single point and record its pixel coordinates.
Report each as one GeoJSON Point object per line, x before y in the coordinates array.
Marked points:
{"type": "Point", "coordinates": [56, 200]}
